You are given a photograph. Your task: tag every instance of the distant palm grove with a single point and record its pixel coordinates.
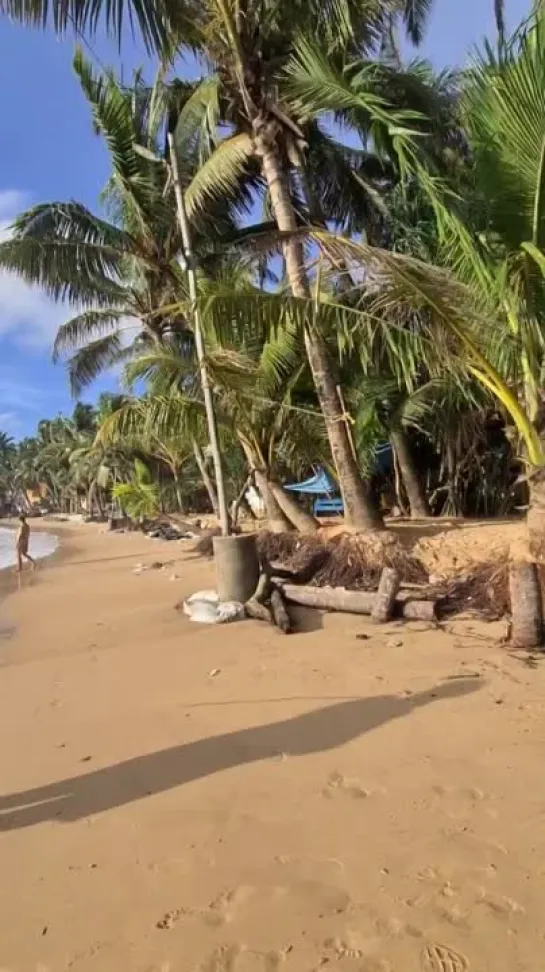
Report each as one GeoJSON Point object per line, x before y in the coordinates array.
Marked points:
{"type": "Point", "coordinates": [312, 250]}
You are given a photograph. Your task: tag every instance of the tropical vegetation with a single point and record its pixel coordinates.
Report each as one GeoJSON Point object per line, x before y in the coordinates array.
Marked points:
{"type": "Point", "coordinates": [312, 250]}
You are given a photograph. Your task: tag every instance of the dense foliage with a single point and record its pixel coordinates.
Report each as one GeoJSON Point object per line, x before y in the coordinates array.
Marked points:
{"type": "Point", "coordinates": [392, 290]}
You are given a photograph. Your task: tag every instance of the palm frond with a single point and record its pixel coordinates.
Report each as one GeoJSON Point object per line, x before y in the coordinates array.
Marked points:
{"type": "Point", "coordinates": [154, 417]}
{"type": "Point", "coordinates": [157, 24]}
{"type": "Point", "coordinates": [316, 87]}
{"type": "Point", "coordinates": [91, 360]}
{"type": "Point", "coordinates": [221, 175]}
{"type": "Point", "coordinates": [504, 111]}
{"type": "Point", "coordinates": [114, 117]}
{"type": "Point", "coordinates": [86, 327]}
{"type": "Point", "coordinates": [196, 129]}
{"type": "Point", "coordinates": [78, 273]}
{"type": "Point", "coordinates": [415, 16]}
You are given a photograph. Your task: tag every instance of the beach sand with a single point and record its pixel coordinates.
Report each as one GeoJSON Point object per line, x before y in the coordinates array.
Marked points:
{"type": "Point", "coordinates": [183, 798]}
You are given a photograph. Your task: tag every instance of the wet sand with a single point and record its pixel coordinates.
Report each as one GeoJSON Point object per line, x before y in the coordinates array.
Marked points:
{"type": "Point", "coordinates": [346, 798]}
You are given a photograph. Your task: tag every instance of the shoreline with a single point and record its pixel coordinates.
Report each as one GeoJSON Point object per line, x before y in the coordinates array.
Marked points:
{"type": "Point", "coordinates": [8, 574]}
{"type": "Point", "coordinates": [250, 802]}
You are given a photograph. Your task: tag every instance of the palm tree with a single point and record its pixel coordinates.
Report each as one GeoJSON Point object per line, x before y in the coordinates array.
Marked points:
{"type": "Point", "coordinates": [395, 412]}
{"type": "Point", "coordinates": [262, 398]}
{"type": "Point", "coordinates": [127, 271]}
{"type": "Point", "coordinates": [499, 250]}
{"type": "Point", "coordinates": [139, 496]}
{"type": "Point", "coordinates": [8, 454]}
{"type": "Point", "coordinates": [252, 56]}
{"type": "Point", "coordinates": [161, 23]}
{"type": "Point", "coordinates": [249, 47]}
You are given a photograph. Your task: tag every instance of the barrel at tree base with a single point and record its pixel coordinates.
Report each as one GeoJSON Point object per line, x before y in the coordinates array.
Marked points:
{"type": "Point", "coordinates": [237, 567]}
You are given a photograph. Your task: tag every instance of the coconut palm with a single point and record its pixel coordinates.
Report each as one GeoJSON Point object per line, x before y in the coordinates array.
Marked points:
{"type": "Point", "coordinates": [122, 273]}
{"type": "Point", "coordinates": [140, 496]}
{"type": "Point", "coordinates": [8, 454]}
{"type": "Point", "coordinates": [248, 47]}
{"type": "Point", "coordinates": [117, 273]}
{"type": "Point", "coordinates": [251, 57]}
{"type": "Point", "coordinates": [263, 396]}
{"type": "Point", "coordinates": [499, 249]}
{"type": "Point", "coordinates": [161, 23]}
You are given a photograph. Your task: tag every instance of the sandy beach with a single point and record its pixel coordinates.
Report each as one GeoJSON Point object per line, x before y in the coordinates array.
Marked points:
{"type": "Point", "coordinates": [179, 797]}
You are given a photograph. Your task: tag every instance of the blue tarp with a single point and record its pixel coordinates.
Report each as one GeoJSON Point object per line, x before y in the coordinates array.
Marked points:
{"type": "Point", "coordinates": [318, 485]}
{"type": "Point", "coordinates": [321, 485]}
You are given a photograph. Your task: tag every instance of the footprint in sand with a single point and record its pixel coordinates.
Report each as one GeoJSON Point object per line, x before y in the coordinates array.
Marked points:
{"type": "Point", "coordinates": [170, 918]}
{"type": "Point", "coordinates": [337, 783]}
{"type": "Point", "coordinates": [376, 965]}
{"type": "Point", "coordinates": [239, 958]}
{"type": "Point", "coordinates": [224, 907]}
{"type": "Point", "coordinates": [502, 907]}
{"type": "Point", "coordinates": [441, 958]}
{"type": "Point", "coordinates": [223, 959]}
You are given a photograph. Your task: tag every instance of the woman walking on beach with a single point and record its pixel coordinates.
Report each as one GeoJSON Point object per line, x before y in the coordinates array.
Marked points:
{"type": "Point", "coordinates": [21, 544]}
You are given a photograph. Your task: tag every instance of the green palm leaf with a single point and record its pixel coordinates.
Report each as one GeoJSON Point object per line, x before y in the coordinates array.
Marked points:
{"type": "Point", "coordinates": [86, 327]}
{"type": "Point", "coordinates": [221, 175]}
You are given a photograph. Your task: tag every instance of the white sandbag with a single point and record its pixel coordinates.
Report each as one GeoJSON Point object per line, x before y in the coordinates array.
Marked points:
{"type": "Point", "coordinates": [204, 607]}
{"type": "Point", "coordinates": [230, 611]}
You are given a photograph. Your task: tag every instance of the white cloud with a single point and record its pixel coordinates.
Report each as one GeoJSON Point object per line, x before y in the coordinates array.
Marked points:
{"type": "Point", "coordinates": [28, 318]}
{"type": "Point", "coordinates": [12, 201]}
{"type": "Point", "coordinates": [10, 423]}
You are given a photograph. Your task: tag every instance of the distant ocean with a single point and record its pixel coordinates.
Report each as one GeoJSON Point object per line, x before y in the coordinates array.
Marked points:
{"type": "Point", "coordinates": [41, 545]}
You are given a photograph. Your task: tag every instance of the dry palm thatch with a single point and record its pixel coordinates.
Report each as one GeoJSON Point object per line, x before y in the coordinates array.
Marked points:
{"type": "Point", "coordinates": [356, 563]}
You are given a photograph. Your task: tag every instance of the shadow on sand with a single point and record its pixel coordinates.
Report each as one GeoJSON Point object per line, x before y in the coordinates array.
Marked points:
{"type": "Point", "coordinates": [316, 731]}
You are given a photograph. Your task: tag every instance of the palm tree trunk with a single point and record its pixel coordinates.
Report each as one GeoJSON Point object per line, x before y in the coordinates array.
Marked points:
{"type": "Point", "coordinates": [535, 519]}
{"type": "Point", "coordinates": [360, 510]}
{"type": "Point", "coordinates": [303, 522]}
{"type": "Point", "coordinates": [178, 489]}
{"type": "Point", "coordinates": [98, 497]}
{"type": "Point", "coordinates": [277, 519]}
{"type": "Point", "coordinates": [207, 482]}
{"type": "Point", "coordinates": [221, 499]}
{"type": "Point", "coordinates": [409, 474]}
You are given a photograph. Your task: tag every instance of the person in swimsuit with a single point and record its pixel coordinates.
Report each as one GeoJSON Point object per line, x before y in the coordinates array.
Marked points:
{"type": "Point", "coordinates": [21, 544]}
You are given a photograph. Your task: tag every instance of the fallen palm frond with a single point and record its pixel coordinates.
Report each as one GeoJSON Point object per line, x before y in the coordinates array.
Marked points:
{"type": "Point", "coordinates": [483, 591]}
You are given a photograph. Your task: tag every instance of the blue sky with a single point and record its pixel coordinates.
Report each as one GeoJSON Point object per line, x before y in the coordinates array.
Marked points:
{"type": "Point", "coordinates": [49, 151]}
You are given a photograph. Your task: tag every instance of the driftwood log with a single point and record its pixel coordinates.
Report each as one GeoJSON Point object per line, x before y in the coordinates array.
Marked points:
{"type": "Point", "coordinates": [526, 609]}
{"type": "Point", "coordinates": [388, 587]}
{"type": "Point", "coordinates": [355, 602]}
{"type": "Point", "coordinates": [280, 611]}
{"type": "Point", "coordinates": [259, 612]}
{"type": "Point", "coordinates": [267, 603]}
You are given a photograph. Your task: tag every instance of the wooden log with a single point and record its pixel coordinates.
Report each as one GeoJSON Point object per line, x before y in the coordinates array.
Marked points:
{"type": "Point", "coordinates": [280, 611]}
{"type": "Point", "coordinates": [384, 605]}
{"type": "Point", "coordinates": [263, 589]}
{"type": "Point", "coordinates": [354, 602]}
{"type": "Point", "coordinates": [526, 610]}
{"type": "Point", "coordinates": [259, 612]}
{"type": "Point", "coordinates": [417, 610]}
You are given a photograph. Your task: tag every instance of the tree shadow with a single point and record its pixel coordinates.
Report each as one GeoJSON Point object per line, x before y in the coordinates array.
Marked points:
{"type": "Point", "coordinates": [113, 786]}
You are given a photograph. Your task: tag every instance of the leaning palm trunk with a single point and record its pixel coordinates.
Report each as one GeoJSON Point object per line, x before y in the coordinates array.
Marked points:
{"type": "Point", "coordinates": [302, 521]}
{"type": "Point", "coordinates": [276, 518]}
{"type": "Point", "coordinates": [360, 511]}
{"type": "Point", "coordinates": [409, 474]}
